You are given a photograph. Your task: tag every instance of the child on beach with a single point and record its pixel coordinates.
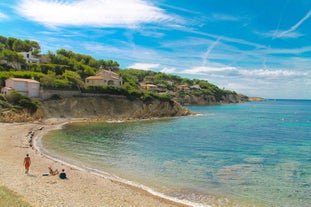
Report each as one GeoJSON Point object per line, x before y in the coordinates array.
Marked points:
{"type": "Point", "coordinates": [63, 175]}
{"type": "Point", "coordinates": [27, 163]}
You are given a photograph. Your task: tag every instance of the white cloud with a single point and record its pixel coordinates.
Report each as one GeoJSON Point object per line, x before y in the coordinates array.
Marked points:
{"type": "Point", "coordinates": [267, 83]}
{"type": "Point", "coordinates": [209, 70]}
{"type": "Point", "coordinates": [280, 34]}
{"type": "Point", "coordinates": [270, 73]}
{"type": "Point", "coordinates": [3, 16]}
{"type": "Point", "coordinates": [168, 70]}
{"type": "Point", "coordinates": [144, 66]}
{"type": "Point", "coordinates": [292, 51]}
{"type": "Point", "coordinates": [233, 72]}
{"type": "Point", "coordinates": [94, 13]}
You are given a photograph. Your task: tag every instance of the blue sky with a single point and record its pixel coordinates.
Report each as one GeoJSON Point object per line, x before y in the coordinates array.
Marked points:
{"type": "Point", "coordinates": [255, 47]}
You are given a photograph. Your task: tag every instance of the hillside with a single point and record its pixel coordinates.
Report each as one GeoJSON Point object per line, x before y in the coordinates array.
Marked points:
{"type": "Point", "coordinates": [66, 70]}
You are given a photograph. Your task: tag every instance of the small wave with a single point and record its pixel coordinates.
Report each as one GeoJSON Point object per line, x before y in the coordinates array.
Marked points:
{"type": "Point", "coordinates": [39, 147]}
{"type": "Point", "coordinates": [116, 121]}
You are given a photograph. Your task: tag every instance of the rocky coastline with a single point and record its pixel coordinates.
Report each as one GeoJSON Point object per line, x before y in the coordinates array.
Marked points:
{"type": "Point", "coordinates": [116, 107]}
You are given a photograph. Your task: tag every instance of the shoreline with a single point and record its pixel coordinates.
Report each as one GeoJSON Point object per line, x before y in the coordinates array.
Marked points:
{"type": "Point", "coordinates": [83, 188]}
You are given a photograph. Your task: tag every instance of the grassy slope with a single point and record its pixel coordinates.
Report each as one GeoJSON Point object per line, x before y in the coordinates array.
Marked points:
{"type": "Point", "coordinates": [9, 198]}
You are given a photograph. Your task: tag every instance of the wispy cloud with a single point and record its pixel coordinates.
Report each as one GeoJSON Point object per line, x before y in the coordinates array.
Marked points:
{"type": "Point", "coordinates": [92, 13]}
{"type": "Point", "coordinates": [168, 70]}
{"type": "Point", "coordinates": [150, 33]}
{"type": "Point", "coordinates": [223, 17]}
{"type": "Point", "coordinates": [290, 33]}
{"type": "Point", "coordinates": [293, 28]}
{"type": "Point", "coordinates": [3, 16]}
{"type": "Point", "coordinates": [145, 66]}
{"type": "Point", "coordinates": [212, 71]}
{"type": "Point", "coordinates": [209, 50]}
{"type": "Point", "coordinates": [290, 51]}
{"type": "Point", "coordinates": [224, 38]}
{"type": "Point", "coordinates": [254, 74]}
{"type": "Point", "coordinates": [265, 73]}
{"type": "Point", "coordinates": [279, 34]}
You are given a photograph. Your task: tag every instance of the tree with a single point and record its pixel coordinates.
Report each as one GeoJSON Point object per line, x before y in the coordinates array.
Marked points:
{"type": "Point", "coordinates": [20, 46]}
{"type": "Point", "coordinates": [74, 78]}
{"type": "Point", "coordinates": [36, 51]}
{"type": "Point", "coordinates": [112, 65]}
{"type": "Point", "coordinates": [2, 47]}
{"type": "Point", "coordinates": [25, 102]}
{"type": "Point", "coordinates": [3, 42]}
{"type": "Point", "coordinates": [48, 80]}
{"type": "Point", "coordinates": [12, 58]}
{"type": "Point", "coordinates": [10, 42]}
{"type": "Point", "coordinates": [33, 44]}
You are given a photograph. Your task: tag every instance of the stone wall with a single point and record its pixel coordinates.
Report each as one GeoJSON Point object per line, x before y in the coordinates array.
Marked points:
{"type": "Point", "coordinates": [47, 93]}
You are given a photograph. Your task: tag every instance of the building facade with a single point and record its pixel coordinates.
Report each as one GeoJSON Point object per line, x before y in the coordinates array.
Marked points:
{"type": "Point", "coordinates": [29, 57]}
{"type": "Point", "coordinates": [28, 87]}
{"type": "Point", "coordinates": [104, 77]}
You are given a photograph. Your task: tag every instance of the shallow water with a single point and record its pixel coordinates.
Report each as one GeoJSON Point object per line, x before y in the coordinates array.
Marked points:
{"type": "Point", "coordinates": [252, 154]}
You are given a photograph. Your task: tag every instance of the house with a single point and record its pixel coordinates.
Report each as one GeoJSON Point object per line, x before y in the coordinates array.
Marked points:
{"type": "Point", "coordinates": [104, 77]}
{"type": "Point", "coordinates": [148, 86]}
{"type": "Point", "coordinates": [29, 57]}
{"type": "Point", "coordinates": [28, 87]}
{"type": "Point", "coordinates": [195, 87]}
{"type": "Point", "coordinates": [182, 88]}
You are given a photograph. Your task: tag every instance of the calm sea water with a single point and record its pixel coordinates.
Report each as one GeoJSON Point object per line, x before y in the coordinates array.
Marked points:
{"type": "Point", "coordinates": [252, 154]}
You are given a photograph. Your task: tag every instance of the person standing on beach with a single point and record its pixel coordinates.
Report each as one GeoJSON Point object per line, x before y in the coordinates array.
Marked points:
{"type": "Point", "coordinates": [27, 163]}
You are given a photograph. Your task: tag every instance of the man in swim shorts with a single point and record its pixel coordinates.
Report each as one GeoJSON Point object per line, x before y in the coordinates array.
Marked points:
{"type": "Point", "coordinates": [27, 163]}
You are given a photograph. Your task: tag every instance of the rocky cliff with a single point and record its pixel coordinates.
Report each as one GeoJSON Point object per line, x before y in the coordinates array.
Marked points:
{"type": "Point", "coordinates": [211, 100]}
{"type": "Point", "coordinates": [111, 108]}
{"type": "Point", "coordinates": [116, 107]}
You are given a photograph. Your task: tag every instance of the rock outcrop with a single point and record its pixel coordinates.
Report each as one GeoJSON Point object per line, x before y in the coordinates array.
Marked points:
{"type": "Point", "coordinates": [116, 107]}
{"type": "Point", "coordinates": [106, 107]}
{"type": "Point", "coordinates": [211, 100]}
{"type": "Point", "coordinates": [10, 116]}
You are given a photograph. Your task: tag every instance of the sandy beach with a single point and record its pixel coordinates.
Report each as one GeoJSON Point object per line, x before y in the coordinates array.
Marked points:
{"type": "Point", "coordinates": [81, 189]}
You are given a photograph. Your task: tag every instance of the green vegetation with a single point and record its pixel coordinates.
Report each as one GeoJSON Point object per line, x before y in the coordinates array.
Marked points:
{"type": "Point", "coordinates": [9, 48]}
{"type": "Point", "coordinates": [132, 78]}
{"type": "Point", "coordinates": [84, 65]}
{"type": "Point", "coordinates": [19, 74]}
{"type": "Point", "coordinates": [9, 198]}
{"type": "Point", "coordinates": [68, 70]}
{"type": "Point", "coordinates": [17, 102]}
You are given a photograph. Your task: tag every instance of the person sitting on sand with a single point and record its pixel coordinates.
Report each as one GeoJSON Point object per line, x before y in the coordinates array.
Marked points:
{"type": "Point", "coordinates": [53, 172]}
{"type": "Point", "coordinates": [63, 175]}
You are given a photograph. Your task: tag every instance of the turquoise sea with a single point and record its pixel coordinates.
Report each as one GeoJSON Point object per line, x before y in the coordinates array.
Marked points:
{"type": "Point", "coordinates": [248, 154]}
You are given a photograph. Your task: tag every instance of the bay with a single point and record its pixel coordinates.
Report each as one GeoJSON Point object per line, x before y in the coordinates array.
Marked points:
{"type": "Point", "coordinates": [248, 154]}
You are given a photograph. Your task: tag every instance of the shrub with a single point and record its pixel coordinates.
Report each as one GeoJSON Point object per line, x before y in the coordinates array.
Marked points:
{"type": "Point", "coordinates": [21, 101]}
{"type": "Point", "coordinates": [3, 98]}
{"type": "Point", "coordinates": [55, 97]}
